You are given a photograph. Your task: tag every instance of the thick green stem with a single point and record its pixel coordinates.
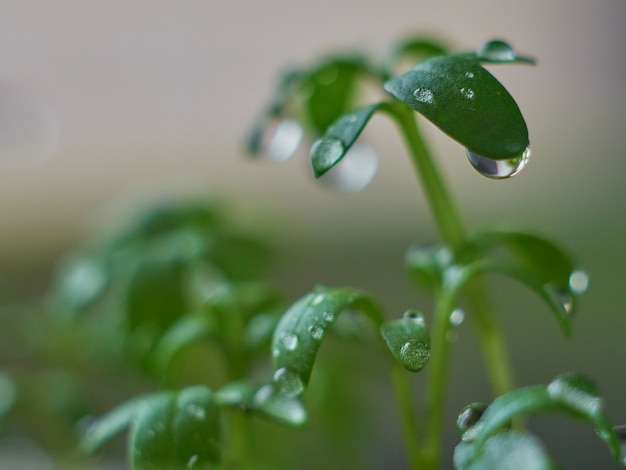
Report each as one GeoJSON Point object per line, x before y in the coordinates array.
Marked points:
{"type": "Point", "coordinates": [402, 390]}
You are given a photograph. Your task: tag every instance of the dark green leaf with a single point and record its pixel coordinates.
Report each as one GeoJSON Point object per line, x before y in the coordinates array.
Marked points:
{"type": "Point", "coordinates": [330, 88]}
{"type": "Point", "coordinates": [327, 151]}
{"type": "Point", "coordinates": [505, 450]}
{"type": "Point", "coordinates": [408, 340]}
{"type": "Point", "coordinates": [466, 102]}
{"type": "Point", "coordinates": [177, 430]}
{"type": "Point", "coordinates": [298, 335]}
{"type": "Point", "coordinates": [570, 394]}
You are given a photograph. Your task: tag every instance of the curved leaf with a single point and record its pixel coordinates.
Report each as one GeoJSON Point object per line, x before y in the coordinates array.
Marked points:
{"type": "Point", "coordinates": [466, 102]}
{"type": "Point", "coordinates": [408, 340]}
{"type": "Point", "coordinates": [177, 430]}
{"type": "Point", "coordinates": [570, 394]}
{"type": "Point", "coordinates": [327, 151]}
{"type": "Point", "coordinates": [298, 335]}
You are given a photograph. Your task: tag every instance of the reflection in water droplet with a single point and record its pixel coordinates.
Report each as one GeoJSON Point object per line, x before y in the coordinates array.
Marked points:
{"type": "Point", "coordinates": [280, 139]}
{"type": "Point", "coordinates": [457, 316]}
{"type": "Point", "coordinates": [578, 282]}
{"type": "Point", "coordinates": [288, 382]}
{"type": "Point", "coordinates": [290, 341]}
{"type": "Point", "coordinates": [497, 50]}
{"type": "Point", "coordinates": [316, 331]}
{"type": "Point", "coordinates": [29, 130]}
{"type": "Point", "coordinates": [414, 354]}
{"type": "Point", "coordinates": [423, 95]}
{"type": "Point", "coordinates": [355, 170]}
{"type": "Point", "coordinates": [498, 169]}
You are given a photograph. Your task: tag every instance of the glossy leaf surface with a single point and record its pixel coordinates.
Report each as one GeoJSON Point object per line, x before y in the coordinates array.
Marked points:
{"type": "Point", "coordinates": [408, 340]}
{"type": "Point", "coordinates": [300, 331]}
{"type": "Point", "coordinates": [466, 102]}
{"type": "Point", "coordinates": [328, 150]}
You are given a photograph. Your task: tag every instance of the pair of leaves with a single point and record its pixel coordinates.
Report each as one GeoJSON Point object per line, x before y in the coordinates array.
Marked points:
{"type": "Point", "coordinates": [171, 429]}
{"type": "Point", "coordinates": [490, 440]}
{"type": "Point", "coordinates": [535, 261]}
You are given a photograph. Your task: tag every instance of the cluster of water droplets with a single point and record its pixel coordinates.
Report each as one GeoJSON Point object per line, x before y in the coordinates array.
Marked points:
{"type": "Point", "coordinates": [501, 168]}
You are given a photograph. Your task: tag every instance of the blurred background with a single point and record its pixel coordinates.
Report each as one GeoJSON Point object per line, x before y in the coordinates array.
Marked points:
{"type": "Point", "coordinates": [106, 105]}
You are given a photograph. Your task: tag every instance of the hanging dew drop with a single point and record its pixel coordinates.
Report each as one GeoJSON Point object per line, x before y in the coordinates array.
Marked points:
{"type": "Point", "coordinates": [578, 282]}
{"type": "Point", "coordinates": [327, 150]}
{"type": "Point", "coordinates": [277, 139]}
{"type": "Point", "coordinates": [414, 355]}
{"type": "Point", "coordinates": [497, 51]}
{"type": "Point", "coordinates": [355, 170]}
{"type": "Point", "coordinates": [498, 169]}
{"type": "Point", "coordinates": [288, 382]}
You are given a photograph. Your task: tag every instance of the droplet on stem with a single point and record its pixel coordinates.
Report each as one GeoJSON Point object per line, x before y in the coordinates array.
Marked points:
{"type": "Point", "coordinates": [498, 169]}
{"type": "Point", "coordinates": [355, 170]}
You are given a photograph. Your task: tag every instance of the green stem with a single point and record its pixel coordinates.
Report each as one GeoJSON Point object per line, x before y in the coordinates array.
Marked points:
{"type": "Point", "coordinates": [402, 390]}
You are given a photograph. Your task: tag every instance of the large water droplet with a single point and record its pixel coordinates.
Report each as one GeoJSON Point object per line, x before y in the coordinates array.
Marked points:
{"type": "Point", "coordinates": [355, 170]}
{"type": "Point", "coordinates": [280, 407]}
{"type": "Point", "coordinates": [290, 341]}
{"type": "Point", "coordinates": [469, 416]}
{"type": "Point", "coordinates": [498, 169]}
{"type": "Point", "coordinates": [423, 95]}
{"type": "Point", "coordinates": [578, 282]}
{"type": "Point", "coordinates": [288, 382]}
{"type": "Point", "coordinates": [278, 139]}
{"type": "Point", "coordinates": [497, 50]}
{"type": "Point", "coordinates": [326, 151]}
{"type": "Point", "coordinates": [414, 354]}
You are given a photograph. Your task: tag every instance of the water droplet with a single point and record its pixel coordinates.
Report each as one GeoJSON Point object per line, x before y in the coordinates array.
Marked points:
{"type": "Point", "coordinates": [577, 391]}
{"type": "Point", "coordinates": [326, 151]}
{"type": "Point", "coordinates": [196, 412]}
{"type": "Point", "coordinates": [318, 299]}
{"type": "Point", "coordinates": [414, 354]}
{"type": "Point", "coordinates": [288, 382]}
{"type": "Point", "coordinates": [469, 416]}
{"type": "Point", "coordinates": [192, 461]}
{"type": "Point", "coordinates": [277, 139]}
{"type": "Point", "coordinates": [578, 282]}
{"type": "Point", "coordinates": [468, 93]}
{"type": "Point", "coordinates": [355, 170]}
{"type": "Point", "coordinates": [457, 316]}
{"type": "Point", "coordinates": [316, 331]}
{"type": "Point", "coordinates": [469, 74]}
{"type": "Point", "coordinates": [414, 316]}
{"type": "Point", "coordinates": [423, 95]}
{"type": "Point", "coordinates": [290, 341]}
{"type": "Point", "coordinates": [561, 296]}
{"type": "Point", "coordinates": [497, 51]}
{"type": "Point", "coordinates": [498, 169]}
{"type": "Point", "coordinates": [285, 409]}
{"type": "Point", "coordinates": [328, 316]}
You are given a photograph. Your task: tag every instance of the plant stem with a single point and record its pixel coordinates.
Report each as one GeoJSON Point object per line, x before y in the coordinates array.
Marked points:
{"type": "Point", "coordinates": [402, 390]}
{"type": "Point", "coordinates": [452, 232]}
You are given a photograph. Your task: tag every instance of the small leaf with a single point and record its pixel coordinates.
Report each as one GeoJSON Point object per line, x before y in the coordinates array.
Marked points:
{"type": "Point", "coordinates": [466, 102]}
{"type": "Point", "coordinates": [506, 450]}
{"type": "Point", "coordinates": [298, 335]}
{"type": "Point", "coordinates": [408, 340]}
{"type": "Point", "coordinates": [186, 331]}
{"type": "Point", "coordinates": [112, 423]}
{"type": "Point", "coordinates": [327, 151]}
{"type": "Point", "coordinates": [331, 87]}
{"type": "Point", "coordinates": [177, 430]}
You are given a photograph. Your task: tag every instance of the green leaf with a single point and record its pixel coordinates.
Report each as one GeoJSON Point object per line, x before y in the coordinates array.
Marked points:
{"type": "Point", "coordinates": [408, 340]}
{"type": "Point", "coordinates": [331, 86]}
{"type": "Point", "coordinates": [466, 102]}
{"type": "Point", "coordinates": [300, 331]}
{"type": "Point", "coordinates": [177, 430]}
{"type": "Point", "coordinates": [570, 394]}
{"type": "Point", "coordinates": [327, 151]}
{"type": "Point", "coordinates": [505, 450]}
{"type": "Point", "coordinates": [187, 330]}
{"type": "Point", "coordinates": [112, 423]}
